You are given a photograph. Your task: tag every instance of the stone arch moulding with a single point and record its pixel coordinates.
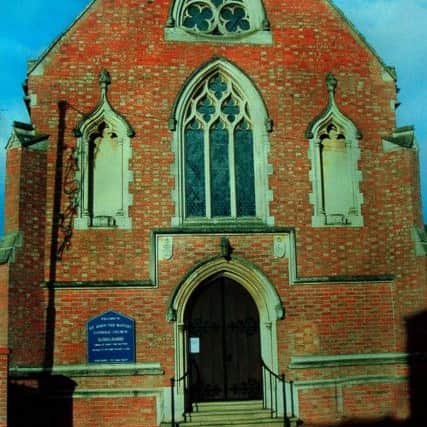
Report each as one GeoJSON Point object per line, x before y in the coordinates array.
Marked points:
{"type": "Point", "coordinates": [229, 21]}
{"type": "Point", "coordinates": [249, 276]}
{"type": "Point", "coordinates": [260, 124]}
{"type": "Point", "coordinates": [334, 153]}
{"type": "Point", "coordinates": [103, 154]}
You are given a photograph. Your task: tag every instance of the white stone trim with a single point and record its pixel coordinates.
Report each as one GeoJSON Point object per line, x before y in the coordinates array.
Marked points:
{"type": "Point", "coordinates": [180, 35]}
{"type": "Point", "coordinates": [103, 113]}
{"type": "Point", "coordinates": [346, 381]}
{"type": "Point", "coordinates": [259, 117]}
{"type": "Point", "coordinates": [258, 33]}
{"type": "Point", "coordinates": [93, 370]}
{"type": "Point", "coordinates": [321, 361]}
{"type": "Point", "coordinates": [333, 115]}
{"type": "Point", "coordinates": [261, 290]}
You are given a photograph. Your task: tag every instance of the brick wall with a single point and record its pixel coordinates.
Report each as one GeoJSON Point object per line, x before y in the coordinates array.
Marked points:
{"type": "Point", "coordinates": [126, 38]}
{"type": "Point", "coordinates": [4, 356]}
{"type": "Point", "coordinates": [4, 348]}
{"type": "Point", "coordinates": [115, 412]}
{"type": "Point", "coordinates": [357, 404]}
{"type": "Point", "coordinates": [28, 306]}
{"type": "Point", "coordinates": [290, 75]}
{"type": "Point", "coordinates": [13, 176]}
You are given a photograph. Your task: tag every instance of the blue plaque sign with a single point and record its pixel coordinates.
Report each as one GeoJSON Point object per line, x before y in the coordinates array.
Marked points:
{"type": "Point", "coordinates": [111, 339]}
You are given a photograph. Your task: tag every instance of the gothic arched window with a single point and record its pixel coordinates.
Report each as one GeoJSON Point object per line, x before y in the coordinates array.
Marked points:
{"type": "Point", "coordinates": [222, 160]}
{"type": "Point", "coordinates": [230, 20]}
{"type": "Point", "coordinates": [334, 153]}
{"type": "Point", "coordinates": [103, 153]}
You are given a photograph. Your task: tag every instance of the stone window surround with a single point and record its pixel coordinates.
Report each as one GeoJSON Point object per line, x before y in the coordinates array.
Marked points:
{"type": "Point", "coordinates": [259, 33]}
{"type": "Point", "coordinates": [103, 113]}
{"type": "Point", "coordinates": [261, 127]}
{"type": "Point", "coordinates": [265, 298]}
{"type": "Point", "coordinates": [332, 114]}
{"type": "Point", "coordinates": [218, 107]}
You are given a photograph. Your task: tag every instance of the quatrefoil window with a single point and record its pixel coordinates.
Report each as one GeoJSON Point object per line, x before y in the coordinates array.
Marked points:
{"type": "Point", "coordinates": [216, 17]}
{"type": "Point", "coordinates": [218, 21]}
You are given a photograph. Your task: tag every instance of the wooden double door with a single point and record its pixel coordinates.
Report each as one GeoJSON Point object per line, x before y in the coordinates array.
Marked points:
{"type": "Point", "coordinates": [223, 343]}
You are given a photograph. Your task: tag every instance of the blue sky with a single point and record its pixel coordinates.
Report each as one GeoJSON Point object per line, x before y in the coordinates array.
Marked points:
{"type": "Point", "coordinates": [397, 29]}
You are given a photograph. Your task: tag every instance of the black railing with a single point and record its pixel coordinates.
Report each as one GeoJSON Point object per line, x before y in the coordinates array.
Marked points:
{"type": "Point", "coordinates": [273, 384]}
{"type": "Point", "coordinates": [175, 381]}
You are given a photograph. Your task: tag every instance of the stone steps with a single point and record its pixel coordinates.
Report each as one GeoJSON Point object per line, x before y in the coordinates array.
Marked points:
{"type": "Point", "coordinates": [235, 414]}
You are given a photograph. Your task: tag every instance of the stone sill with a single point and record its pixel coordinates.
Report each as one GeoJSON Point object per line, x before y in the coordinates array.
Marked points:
{"type": "Point", "coordinates": [308, 362]}
{"type": "Point", "coordinates": [95, 370]}
{"type": "Point", "coordinates": [176, 34]}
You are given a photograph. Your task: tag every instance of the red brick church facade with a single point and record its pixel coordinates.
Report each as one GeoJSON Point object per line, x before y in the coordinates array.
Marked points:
{"type": "Point", "coordinates": [225, 179]}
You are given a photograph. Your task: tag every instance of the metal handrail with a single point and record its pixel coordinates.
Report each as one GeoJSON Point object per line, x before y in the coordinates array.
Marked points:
{"type": "Point", "coordinates": [274, 380]}
{"type": "Point", "coordinates": [173, 382]}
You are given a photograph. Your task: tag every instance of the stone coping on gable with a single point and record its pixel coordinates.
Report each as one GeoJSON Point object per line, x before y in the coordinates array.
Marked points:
{"type": "Point", "coordinates": [90, 370]}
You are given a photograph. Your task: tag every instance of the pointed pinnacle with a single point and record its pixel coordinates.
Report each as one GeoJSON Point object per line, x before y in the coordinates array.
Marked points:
{"type": "Point", "coordinates": [331, 82]}
{"type": "Point", "coordinates": [104, 79]}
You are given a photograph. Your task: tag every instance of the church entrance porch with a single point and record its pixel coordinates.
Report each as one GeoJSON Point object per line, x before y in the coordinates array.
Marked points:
{"type": "Point", "coordinates": [225, 313]}
{"type": "Point", "coordinates": [223, 343]}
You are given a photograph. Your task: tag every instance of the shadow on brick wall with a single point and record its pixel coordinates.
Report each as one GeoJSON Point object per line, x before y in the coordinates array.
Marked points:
{"type": "Point", "coordinates": [48, 405]}
{"type": "Point", "coordinates": [46, 401]}
{"type": "Point", "coordinates": [416, 332]}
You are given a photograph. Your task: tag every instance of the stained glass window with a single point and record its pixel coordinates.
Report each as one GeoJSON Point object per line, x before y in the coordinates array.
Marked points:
{"type": "Point", "coordinates": [220, 170]}
{"type": "Point", "coordinates": [194, 170]}
{"type": "Point", "coordinates": [219, 152]}
{"type": "Point", "coordinates": [245, 191]}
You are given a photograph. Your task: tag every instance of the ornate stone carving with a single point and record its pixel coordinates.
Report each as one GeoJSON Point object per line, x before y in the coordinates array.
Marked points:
{"type": "Point", "coordinates": [334, 154]}
{"type": "Point", "coordinates": [226, 248]}
{"type": "Point", "coordinates": [165, 247]}
{"type": "Point", "coordinates": [279, 246]}
{"type": "Point", "coordinates": [103, 154]}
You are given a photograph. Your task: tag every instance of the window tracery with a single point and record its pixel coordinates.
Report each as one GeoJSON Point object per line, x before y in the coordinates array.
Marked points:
{"type": "Point", "coordinates": [222, 154]}
{"type": "Point", "coordinates": [225, 20]}
{"type": "Point", "coordinates": [220, 184]}
{"type": "Point", "coordinates": [216, 17]}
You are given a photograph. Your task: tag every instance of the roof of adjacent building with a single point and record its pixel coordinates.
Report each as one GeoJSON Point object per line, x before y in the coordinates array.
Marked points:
{"type": "Point", "coordinates": [8, 245]}
{"type": "Point", "coordinates": [403, 136]}
{"type": "Point", "coordinates": [25, 135]}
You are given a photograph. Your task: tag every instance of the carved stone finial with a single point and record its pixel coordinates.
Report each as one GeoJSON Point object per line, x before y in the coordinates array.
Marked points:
{"type": "Point", "coordinates": [171, 315]}
{"type": "Point", "coordinates": [280, 311]}
{"type": "Point", "coordinates": [226, 249]}
{"type": "Point", "coordinates": [331, 82]}
{"type": "Point", "coordinates": [104, 79]}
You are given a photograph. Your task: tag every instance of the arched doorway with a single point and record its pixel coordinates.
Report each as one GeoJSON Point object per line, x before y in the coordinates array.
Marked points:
{"type": "Point", "coordinates": [257, 285]}
{"type": "Point", "coordinates": [223, 342]}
